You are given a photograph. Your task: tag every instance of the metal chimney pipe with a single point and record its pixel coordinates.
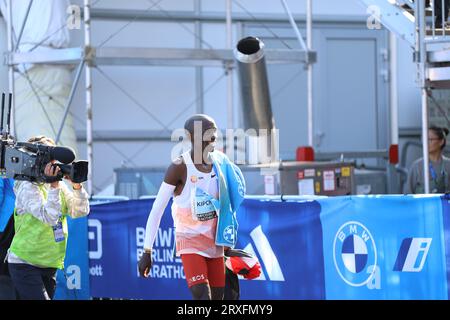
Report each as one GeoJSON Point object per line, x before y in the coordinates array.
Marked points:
{"type": "Point", "coordinates": [249, 54]}
{"type": "Point", "coordinates": [257, 110]}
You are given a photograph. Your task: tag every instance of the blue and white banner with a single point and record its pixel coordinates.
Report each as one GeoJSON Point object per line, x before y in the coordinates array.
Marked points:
{"type": "Point", "coordinates": [118, 230]}
{"type": "Point", "coordinates": [286, 237]}
{"type": "Point", "coordinates": [384, 247]}
{"type": "Point", "coordinates": [355, 247]}
{"type": "Point", "coordinates": [116, 241]}
{"type": "Point", "coordinates": [73, 281]}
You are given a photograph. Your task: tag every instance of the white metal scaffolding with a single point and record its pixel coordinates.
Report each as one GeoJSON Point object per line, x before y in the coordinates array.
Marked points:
{"type": "Point", "coordinates": [90, 56]}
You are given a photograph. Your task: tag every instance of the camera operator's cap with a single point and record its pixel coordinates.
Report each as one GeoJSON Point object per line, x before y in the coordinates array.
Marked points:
{"type": "Point", "coordinates": [42, 139]}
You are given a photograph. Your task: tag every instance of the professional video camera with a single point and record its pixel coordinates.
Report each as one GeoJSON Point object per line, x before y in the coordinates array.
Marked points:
{"type": "Point", "coordinates": [27, 161]}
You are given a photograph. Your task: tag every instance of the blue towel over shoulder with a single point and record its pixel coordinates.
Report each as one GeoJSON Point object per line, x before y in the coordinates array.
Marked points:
{"type": "Point", "coordinates": [231, 195]}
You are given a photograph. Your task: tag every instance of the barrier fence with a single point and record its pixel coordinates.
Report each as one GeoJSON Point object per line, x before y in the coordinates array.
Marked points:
{"type": "Point", "coordinates": [352, 247]}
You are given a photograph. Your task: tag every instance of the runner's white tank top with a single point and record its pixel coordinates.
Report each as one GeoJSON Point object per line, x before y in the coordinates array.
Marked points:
{"type": "Point", "coordinates": [194, 235]}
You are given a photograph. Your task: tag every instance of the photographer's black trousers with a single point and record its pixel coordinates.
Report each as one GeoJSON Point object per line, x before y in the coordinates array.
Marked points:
{"type": "Point", "coordinates": [33, 283]}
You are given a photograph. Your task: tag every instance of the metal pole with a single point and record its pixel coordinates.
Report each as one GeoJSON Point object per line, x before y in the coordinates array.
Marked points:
{"type": "Point", "coordinates": [229, 146]}
{"type": "Point", "coordinates": [69, 100]}
{"type": "Point", "coordinates": [237, 110]}
{"type": "Point", "coordinates": [417, 43]}
{"type": "Point", "coordinates": [198, 70]}
{"type": "Point", "coordinates": [294, 25]}
{"type": "Point", "coordinates": [443, 17]}
{"type": "Point", "coordinates": [393, 88]}
{"type": "Point", "coordinates": [422, 65]}
{"type": "Point", "coordinates": [10, 66]}
{"type": "Point", "coordinates": [433, 22]}
{"type": "Point", "coordinates": [309, 64]}
{"type": "Point", "coordinates": [230, 115]}
{"type": "Point", "coordinates": [23, 25]}
{"type": "Point", "coordinates": [89, 142]}
{"type": "Point", "coordinates": [426, 173]}
{"type": "Point", "coordinates": [310, 72]}
{"type": "Point", "coordinates": [393, 181]}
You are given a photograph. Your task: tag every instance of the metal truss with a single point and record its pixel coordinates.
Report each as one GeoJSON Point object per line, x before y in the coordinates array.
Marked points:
{"type": "Point", "coordinates": [152, 57]}
{"type": "Point", "coordinates": [89, 56]}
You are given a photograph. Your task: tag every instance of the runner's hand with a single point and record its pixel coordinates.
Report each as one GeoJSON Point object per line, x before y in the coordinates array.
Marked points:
{"type": "Point", "coordinates": [145, 264]}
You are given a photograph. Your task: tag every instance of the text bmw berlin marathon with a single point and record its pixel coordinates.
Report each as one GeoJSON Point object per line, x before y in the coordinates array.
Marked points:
{"type": "Point", "coordinates": [166, 265]}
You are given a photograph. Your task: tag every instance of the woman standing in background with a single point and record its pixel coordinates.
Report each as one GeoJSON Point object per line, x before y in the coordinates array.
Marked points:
{"type": "Point", "coordinates": [439, 165]}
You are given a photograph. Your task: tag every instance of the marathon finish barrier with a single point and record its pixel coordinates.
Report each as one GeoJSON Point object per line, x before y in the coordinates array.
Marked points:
{"type": "Point", "coordinates": [352, 247]}
{"type": "Point", "coordinates": [73, 281]}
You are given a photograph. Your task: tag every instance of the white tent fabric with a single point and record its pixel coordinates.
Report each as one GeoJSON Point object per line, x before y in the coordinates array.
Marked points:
{"type": "Point", "coordinates": [41, 91]}
{"type": "Point", "coordinates": [46, 23]}
{"type": "Point", "coordinates": [46, 87]}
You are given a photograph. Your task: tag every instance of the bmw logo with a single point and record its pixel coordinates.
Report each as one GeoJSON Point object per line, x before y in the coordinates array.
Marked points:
{"type": "Point", "coordinates": [354, 251]}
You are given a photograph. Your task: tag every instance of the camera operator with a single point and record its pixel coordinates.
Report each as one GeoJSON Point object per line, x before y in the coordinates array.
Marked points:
{"type": "Point", "coordinates": [39, 244]}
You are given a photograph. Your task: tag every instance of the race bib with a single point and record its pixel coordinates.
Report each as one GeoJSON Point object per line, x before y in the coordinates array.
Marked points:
{"type": "Point", "coordinates": [203, 208]}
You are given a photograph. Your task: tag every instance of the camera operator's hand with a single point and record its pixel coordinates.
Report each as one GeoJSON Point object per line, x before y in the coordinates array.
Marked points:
{"type": "Point", "coordinates": [52, 171]}
{"type": "Point", "coordinates": [145, 263]}
{"type": "Point", "coordinates": [75, 186]}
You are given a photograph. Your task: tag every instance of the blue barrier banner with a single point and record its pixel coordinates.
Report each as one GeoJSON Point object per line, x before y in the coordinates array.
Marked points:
{"type": "Point", "coordinates": [446, 220]}
{"type": "Point", "coordinates": [288, 272]}
{"type": "Point", "coordinates": [286, 237]}
{"type": "Point", "coordinates": [117, 238]}
{"type": "Point", "coordinates": [384, 247]}
{"type": "Point", "coordinates": [356, 247]}
{"type": "Point", "coordinates": [72, 283]}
